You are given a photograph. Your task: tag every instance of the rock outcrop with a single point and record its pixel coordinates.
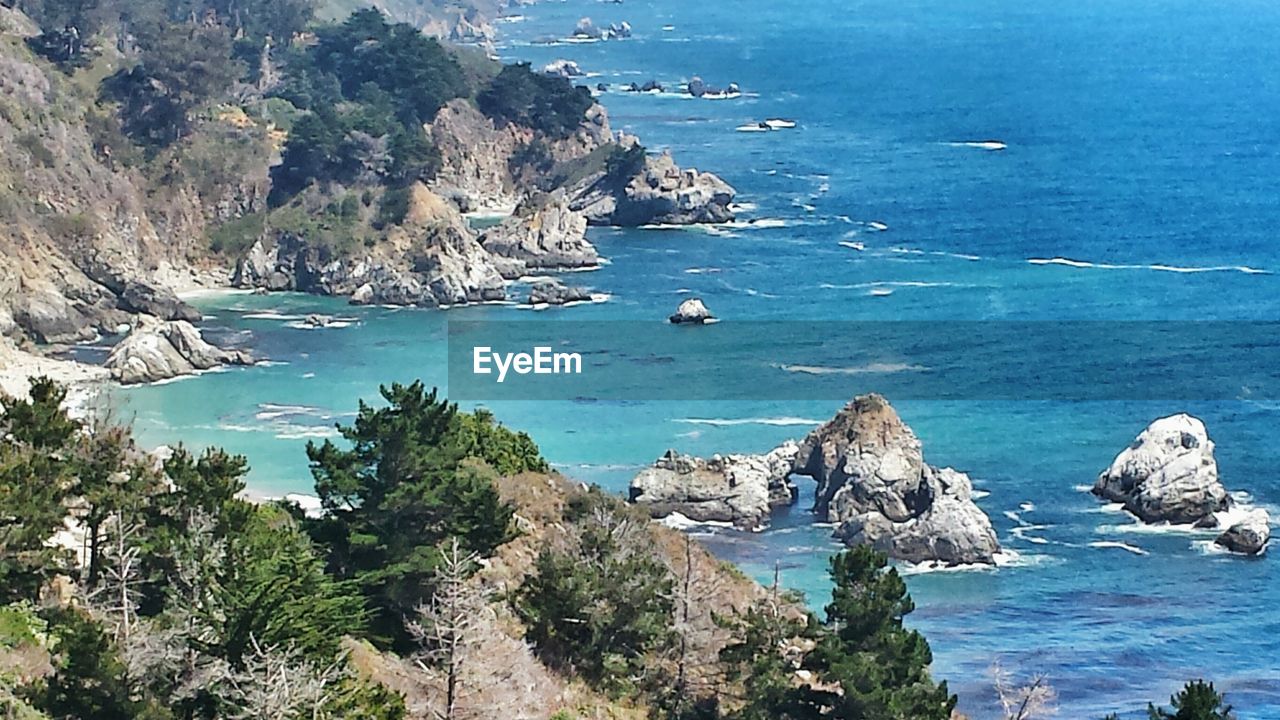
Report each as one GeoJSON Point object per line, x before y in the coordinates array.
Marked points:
{"type": "Point", "coordinates": [586, 29]}
{"type": "Point", "coordinates": [874, 484]}
{"type": "Point", "coordinates": [659, 192]}
{"type": "Point", "coordinates": [542, 234]}
{"type": "Point", "coordinates": [162, 350]}
{"type": "Point", "coordinates": [430, 260]}
{"type": "Point", "coordinates": [566, 69]}
{"type": "Point", "coordinates": [692, 311]}
{"type": "Point", "coordinates": [554, 293]}
{"type": "Point", "coordinates": [1248, 536]}
{"type": "Point", "coordinates": [1168, 474]}
{"type": "Point", "coordinates": [739, 489]}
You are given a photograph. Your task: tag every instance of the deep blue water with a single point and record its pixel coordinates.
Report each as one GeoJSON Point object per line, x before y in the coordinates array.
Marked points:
{"type": "Point", "coordinates": [1141, 146]}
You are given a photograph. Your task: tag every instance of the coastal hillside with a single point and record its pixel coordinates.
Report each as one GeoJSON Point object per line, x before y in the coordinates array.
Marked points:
{"type": "Point", "coordinates": [440, 570]}
{"type": "Point", "coordinates": [150, 149]}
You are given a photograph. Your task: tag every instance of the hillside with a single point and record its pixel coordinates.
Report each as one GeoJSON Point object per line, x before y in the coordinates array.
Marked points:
{"type": "Point", "coordinates": [148, 151]}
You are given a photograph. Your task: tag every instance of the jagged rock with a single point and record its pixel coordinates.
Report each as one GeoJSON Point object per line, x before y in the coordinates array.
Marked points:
{"type": "Point", "coordinates": [475, 158]}
{"type": "Point", "coordinates": [741, 489]}
{"type": "Point", "coordinates": [874, 484]}
{"type": "Point", "coordinates": [542, 235]}
{"type": "Point", "coordinates": [658, 193]}
{"type": "Point", "coordinates": [692, 311]}
{"type": "Point", "coordinates": [554, 293]}
{"type": "Point", "coordinates": [1249, 536]}
{"type": "Point", "coordinates": [163, 350]}
{"type": "Point", "coordinates": [587, 30]}
{"type": "Point", "coordinates": [139, 297]}
{"type": "Point", "coordinates": [1168, 474]}
{"type": "Point", "coordinates": [431, 259]}
{"type": "Point", "coordinates": [566, 69]}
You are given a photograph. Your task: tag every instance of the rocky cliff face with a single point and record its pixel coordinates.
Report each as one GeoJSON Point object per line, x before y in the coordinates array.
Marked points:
{"type": "Point", "coordinates": [430, 260]}
{"type": "Point", "coordinates": [543, 234]}
{"type": "Point", "coordinates": [86, 242]}
{"type": "Point", "coordinates": [659, 193]}
{"type": "Point", "coordinates": [874, 484]}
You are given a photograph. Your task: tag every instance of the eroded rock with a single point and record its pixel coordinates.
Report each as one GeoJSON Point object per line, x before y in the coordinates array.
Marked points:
{"type": "Point", "coordinates": [1168, 474]}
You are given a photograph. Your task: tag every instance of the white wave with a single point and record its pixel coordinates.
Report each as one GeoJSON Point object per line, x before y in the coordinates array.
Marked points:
{"type": "Point", "coordinates": [308, 376]}
{"type": "Point", "coordinates": [779, 124]}
{"type": "Point", "coordinates": [273, 411]}
{"type": "Point", "coordinates": [938, 253]}
{"type": "Point", "coordinates": [784, 421]}
{"type": "Point", "coordinates": [980, 144]}
{"type": "Point", "coordinates": [752, 129]}
{"type": "Point", "coordinates": [979, 494]}
{"type": "Point", "coordinates": [877, 226]}
{"type": "Point", "coordinates": [702, 271]}
{"type": "Point", "coordinates": [1027, 506]}
{"type": "Point", "coordinates": [1082, 488]}
{"type": "Point", "coordinates": [889, 283]}
{"type": "Point", "coordinates": [1209, 547]}
{"type": "Point", "coordinates": [677, 521]}
{"type": "Point", "coordinates": [1008, 558]}
{"type": "Point", "coordinates": [880, 292]}
{"type": "Point", "coordinates": [1014, 516]}
{"type": "Point", "coordinates": [331, 325]}
{"type": "Point", "coordinates": [1108, 509]}
{"type": "Point", "coordinates": [1085, 264]}
{"type": "Point", "coordinates": [869, 369]}
{"type": "Point", "coordinates": [742, 207]}
{"type": "Point", "coordinates": [852, 245]}
{"type": "Point", "coordinates": [757, 224]}
{"type": "Point", "coordinates": [270, 363]}
{"type": "Point", "coordinates": [298, 432]}
{"type": "Point", "coordinates": [1119, 546]}
{"type": "Point", "coordinates": [269, 315]}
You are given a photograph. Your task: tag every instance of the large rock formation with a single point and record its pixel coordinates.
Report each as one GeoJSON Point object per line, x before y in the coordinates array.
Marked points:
{"type": "Point", "coordinates": [162, 350]}
{"type": "Point", "coordinates": [543, 234]}
{"type": "Point", "coordinates": [874, 484]}
{"type": "Point", "coordinates": [1168, 474]}
{"type": "Point", "coordinates": [659, 192]}
{"type": "Point", "coordinates": [431, 259]}
{"type": "Point", "coordinates": [740, 489]}
{"type": "Point", "coordinates": [1249, 535]}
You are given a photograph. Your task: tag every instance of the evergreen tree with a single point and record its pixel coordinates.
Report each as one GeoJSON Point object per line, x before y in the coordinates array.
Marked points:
{"type": "Point", "coordinates": [1198, 700]}
{"type": "Point", "coordinates": [398, 492]}
{"type": "Point", "coordinates": [602, 607]}
{"type": "Point", "coordinates": [881, 667]}
{"type": "Point", "coordinates": [757, 658]}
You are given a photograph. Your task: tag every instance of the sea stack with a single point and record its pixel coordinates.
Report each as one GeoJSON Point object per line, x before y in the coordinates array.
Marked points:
{"type": "Point", "coordinates": [874, 484]}
{"type": "Point", "coordinates": [1168, 474]}
{"type": "Point", "coordinates": [1249, 536]}
{"type": "Point", "coordinates": [692, 311]}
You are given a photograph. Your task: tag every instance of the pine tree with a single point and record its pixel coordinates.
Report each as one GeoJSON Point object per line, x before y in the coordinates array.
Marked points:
{"type": "Point", "coordinates": [1198, 700]}
{"type": "Point", "coordinates": [881, 667]}
{"type": "Point", "coordinates": [392, 498]}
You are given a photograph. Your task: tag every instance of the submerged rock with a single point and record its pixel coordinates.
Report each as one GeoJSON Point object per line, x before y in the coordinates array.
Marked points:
{"type": "Point", "coordinates": [874, 484]}
{"type": "Point", "coordinates": [738, 489]}
{"type": "Point", "coordinates": [1168, 474]}
{"type": "Point", "coordinates": [692, 311]}
{"type": "Point", "coordinates": [1249, 536]}
{"type": "Point", "coordinates": [163, 350]}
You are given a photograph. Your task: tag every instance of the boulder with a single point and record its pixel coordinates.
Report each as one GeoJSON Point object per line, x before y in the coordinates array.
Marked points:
{"type": "Point", "coordinates": [566, 69]}
{"type": "Point", "coordinates": [139, 297]}
{"type": "Point", "coordinates": [162, 350]}
{"type": "Point", "coordinates": [692, 311]}
{"type": "Point", "coordinates": [874, 484]}
{"type": "Point", "coordinates": [1168, 474]}
{"type": "Point", "coordinates": [738, 489]}
{"type": "Point", "coordinates": [1249, 536]}
{"type": "Point", "coordinates": [554, 293]}
{"type": "Point", "coordinates": [543, 234]}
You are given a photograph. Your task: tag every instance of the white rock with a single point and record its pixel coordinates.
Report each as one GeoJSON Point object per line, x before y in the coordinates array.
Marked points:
{"type": "Point", "coordinates": [692, 310]}
{"type": "Point", "coordinates": [1168, 474]}
{"type": "Point", "coordinates": [1248, 536]}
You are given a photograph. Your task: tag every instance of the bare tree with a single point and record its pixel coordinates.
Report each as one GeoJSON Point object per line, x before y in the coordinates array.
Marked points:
{"type": "Point", "coordinates": [448, 627]}
{"type": "Point", "coordinates": [114, 598]}
{"type": "Point", "coordinates": [278, 684]}
{"type": "Point", "coordinates": [1036, 699]}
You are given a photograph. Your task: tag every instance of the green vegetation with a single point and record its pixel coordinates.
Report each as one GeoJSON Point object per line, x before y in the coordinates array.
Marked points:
{"type": "Point", "coordinates": [602, 606]}
{"type": "Point", "coordinates": [193, 603]}
{"type": "Point", "coordinates": [549, 105]}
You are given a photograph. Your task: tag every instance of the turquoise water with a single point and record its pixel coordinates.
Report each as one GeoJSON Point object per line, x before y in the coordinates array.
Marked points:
{"type": "Point", "coordinates": [1140, 146]}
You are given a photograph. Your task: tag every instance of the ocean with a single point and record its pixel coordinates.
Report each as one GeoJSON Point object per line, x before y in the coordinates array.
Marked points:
{"type": "Point", "coordinates": [993, 160]}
